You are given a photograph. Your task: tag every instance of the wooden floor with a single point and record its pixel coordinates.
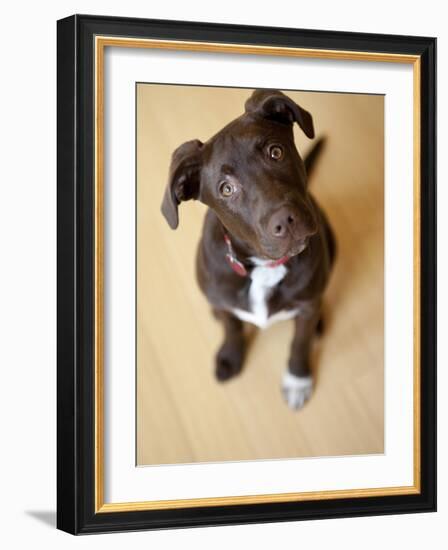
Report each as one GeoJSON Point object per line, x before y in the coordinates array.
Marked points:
{"type": "Point", "coordinates": [183, 414]}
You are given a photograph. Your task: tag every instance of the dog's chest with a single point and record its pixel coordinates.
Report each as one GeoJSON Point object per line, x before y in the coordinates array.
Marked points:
{"type": "Point", "coordinates": [264, 279]}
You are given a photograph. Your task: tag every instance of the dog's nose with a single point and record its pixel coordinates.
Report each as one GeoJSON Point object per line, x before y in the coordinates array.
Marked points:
{"type": "Point", "coordinates": [286, 222]}
{"type": "Point", "coordinates": [282, 222]}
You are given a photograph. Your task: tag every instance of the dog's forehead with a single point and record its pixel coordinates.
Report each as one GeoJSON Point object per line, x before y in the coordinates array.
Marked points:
{"type": "Point", "coordinates": [240, 136]}
{"type": "Point", "coordinates": [240, 130]}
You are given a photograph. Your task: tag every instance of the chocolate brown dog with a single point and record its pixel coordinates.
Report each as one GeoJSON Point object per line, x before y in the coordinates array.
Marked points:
{"type": "Point", "coordinates": [267, 249]}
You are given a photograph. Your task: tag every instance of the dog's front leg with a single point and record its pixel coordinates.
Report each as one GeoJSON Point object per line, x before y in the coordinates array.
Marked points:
{"type": "Point", "coordinates": [297, 384]}
{"type": "Point", "coordinates": [230, 357]}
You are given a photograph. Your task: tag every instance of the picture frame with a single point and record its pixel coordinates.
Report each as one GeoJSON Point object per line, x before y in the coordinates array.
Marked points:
{"type": "Point", "coordinates": [82, 41]}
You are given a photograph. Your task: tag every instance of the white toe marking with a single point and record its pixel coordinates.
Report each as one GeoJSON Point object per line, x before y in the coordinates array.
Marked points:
{"type": "Point", "coordinates": [296, 389]}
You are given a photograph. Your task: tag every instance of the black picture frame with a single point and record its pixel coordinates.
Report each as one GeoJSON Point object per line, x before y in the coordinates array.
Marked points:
{"type": "Point", "coordinates": [76, 272]}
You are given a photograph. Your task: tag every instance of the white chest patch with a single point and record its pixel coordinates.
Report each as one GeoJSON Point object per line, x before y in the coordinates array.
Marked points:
{"type": "Point", "coordinates": [263, 281]}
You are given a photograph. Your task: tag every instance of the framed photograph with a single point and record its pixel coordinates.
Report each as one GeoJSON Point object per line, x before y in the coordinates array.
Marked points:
{"type": "Point", "coordinates": [246, 274]}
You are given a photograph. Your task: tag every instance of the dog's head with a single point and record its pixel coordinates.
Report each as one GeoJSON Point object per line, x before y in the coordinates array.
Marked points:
{"type": "Point", "coordinates": [252, 176]}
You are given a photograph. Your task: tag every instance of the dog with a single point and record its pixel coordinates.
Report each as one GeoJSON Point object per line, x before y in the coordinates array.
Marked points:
{"type": "Point", "coordinates": [267, 248]}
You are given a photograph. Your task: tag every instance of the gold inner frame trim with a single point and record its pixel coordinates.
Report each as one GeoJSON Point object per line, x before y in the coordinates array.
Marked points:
{"type": "Point", "coordinates": [101, 42]}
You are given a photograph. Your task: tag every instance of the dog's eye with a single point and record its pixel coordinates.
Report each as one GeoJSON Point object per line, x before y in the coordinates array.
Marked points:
{"type": "Point", "coordinates": [276, 152]}
{"type": "Point", "coordinates": [226, 189]}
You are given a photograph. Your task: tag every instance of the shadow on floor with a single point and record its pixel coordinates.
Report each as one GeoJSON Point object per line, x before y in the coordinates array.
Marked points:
{"type": "Point", "coordinates": [48, 517]}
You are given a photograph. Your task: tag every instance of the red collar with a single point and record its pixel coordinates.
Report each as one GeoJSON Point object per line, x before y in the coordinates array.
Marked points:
{"type": "Point", "coordinates": [238, 267]}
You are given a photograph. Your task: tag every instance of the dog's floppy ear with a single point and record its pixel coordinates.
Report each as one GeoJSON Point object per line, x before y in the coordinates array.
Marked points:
{"type": "Point", "coordinates": [183, 182]}
{"type": "Point", "coordinates": [275, 105]}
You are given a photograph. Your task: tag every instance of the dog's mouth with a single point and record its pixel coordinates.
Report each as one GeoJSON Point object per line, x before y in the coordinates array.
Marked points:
{"type": "Point", "coordinates": [298, 247]}
{"type": "Point", "coordinates": [294, 249]}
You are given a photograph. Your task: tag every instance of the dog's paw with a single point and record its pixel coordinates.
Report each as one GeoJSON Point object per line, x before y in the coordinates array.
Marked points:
{"type": "Point", "coordinates": [296, 390]}
{"type": "Point", "coordinates": [229, 361]}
